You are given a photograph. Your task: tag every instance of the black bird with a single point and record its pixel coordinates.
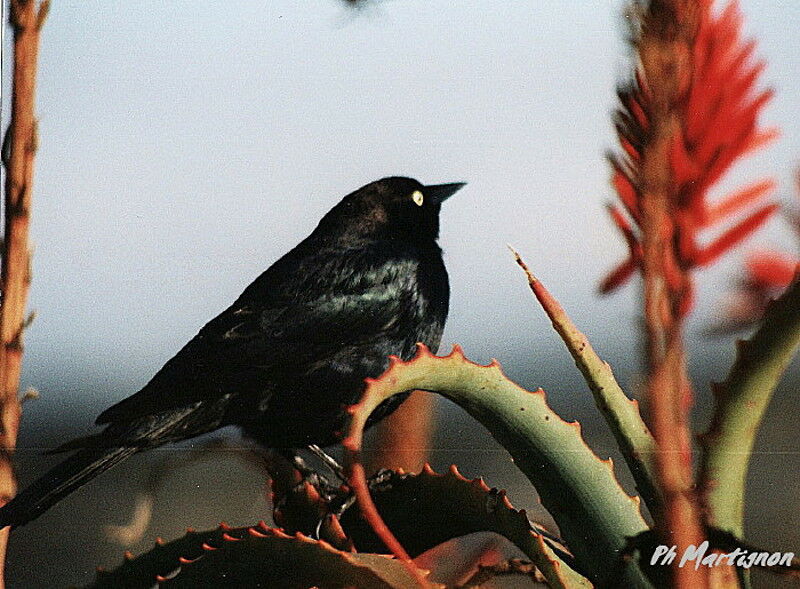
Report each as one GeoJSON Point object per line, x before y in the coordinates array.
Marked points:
{"type": "Point", "coordinates": [284, 359]}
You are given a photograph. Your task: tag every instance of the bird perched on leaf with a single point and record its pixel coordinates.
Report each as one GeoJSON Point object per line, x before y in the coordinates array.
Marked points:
{"type": "Point", "coordinates": [286, 358]}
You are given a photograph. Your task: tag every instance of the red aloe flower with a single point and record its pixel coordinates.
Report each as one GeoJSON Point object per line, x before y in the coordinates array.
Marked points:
{"type": "Point", "coordinates": [718, 124]}
{"type": "Point", "coordinates": [767, 274]}
{"type": "Point", "coordinates": [688, 114]}
{"type": "Point", "coordinates": [769, 269]}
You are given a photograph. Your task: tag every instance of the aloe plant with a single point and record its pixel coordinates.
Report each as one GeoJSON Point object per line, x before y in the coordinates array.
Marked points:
{"type": "Point", "coordinates": [411, 513]}
{"type": "Point", "coordinates": [689, 111]}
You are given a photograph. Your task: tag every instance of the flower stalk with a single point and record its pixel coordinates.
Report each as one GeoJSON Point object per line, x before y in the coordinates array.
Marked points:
{"type": "Point", "coordinates": [26, 17]}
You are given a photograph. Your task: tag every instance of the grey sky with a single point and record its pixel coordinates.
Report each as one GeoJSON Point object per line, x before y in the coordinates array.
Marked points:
{"type": "Point", "coordinates": [186, 145]}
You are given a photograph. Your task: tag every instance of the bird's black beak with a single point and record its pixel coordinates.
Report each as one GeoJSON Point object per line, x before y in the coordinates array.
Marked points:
{"type": "Point", "coordinates": [441, 192]}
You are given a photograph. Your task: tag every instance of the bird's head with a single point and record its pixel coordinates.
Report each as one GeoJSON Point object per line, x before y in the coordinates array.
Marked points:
{"type": "Point", "coordinates": [392, 207]}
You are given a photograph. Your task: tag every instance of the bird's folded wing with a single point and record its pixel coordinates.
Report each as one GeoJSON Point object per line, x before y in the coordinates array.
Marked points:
{"type": "Point", "coordinates": [278, 324]}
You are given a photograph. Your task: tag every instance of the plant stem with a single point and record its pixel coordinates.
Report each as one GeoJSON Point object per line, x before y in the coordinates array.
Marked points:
{"type": "Point", "coordinates": [26, 17]}
{"type": "Point", "coordinates": [669, 29]}
{"type": "Point", "coordinates": [741, 402]}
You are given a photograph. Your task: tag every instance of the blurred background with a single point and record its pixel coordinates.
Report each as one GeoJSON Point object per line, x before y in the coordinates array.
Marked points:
{"type": "Point", "coordinates": [185, 146]}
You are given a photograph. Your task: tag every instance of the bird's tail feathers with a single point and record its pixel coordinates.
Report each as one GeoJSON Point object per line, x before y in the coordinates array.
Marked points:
{"type": "Point", "coordinates": [93, 441]}
{"type": "Point", "coordinates": [60, 482]}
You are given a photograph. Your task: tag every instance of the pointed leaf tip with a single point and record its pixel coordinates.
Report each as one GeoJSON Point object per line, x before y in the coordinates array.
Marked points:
{"type": "Point", "coordinates": [457, 352]}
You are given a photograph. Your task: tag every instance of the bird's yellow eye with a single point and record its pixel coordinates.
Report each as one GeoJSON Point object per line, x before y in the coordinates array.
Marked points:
{"type": "Point", "coordinates": [417, 197]}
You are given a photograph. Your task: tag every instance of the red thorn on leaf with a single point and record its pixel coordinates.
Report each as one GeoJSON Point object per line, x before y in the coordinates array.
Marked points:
{"type": "Point", "coordinates": [256, 534]}
{"type": "Point", "coordinates": [224, 526]}
{"type": "Point", "coordinates": [208, 547]}
{"type": "Point", "coordinates": [423, 351]}
{"type": "Point", "coordinates": [230, 538]}
{"type": "Point", "coordinates": [457, 352]}
{"type": "Point", "coordinates": [426, 468]}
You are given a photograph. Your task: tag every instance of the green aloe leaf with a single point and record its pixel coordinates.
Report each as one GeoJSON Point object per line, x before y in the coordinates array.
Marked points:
{"type": "Point", "coordinates": [741, 401]}
{"type": "Point", "coordinates": [427, 509]}
{"type": "Point", "coordinates": [594, 514]}
{"type": "Point", "coordinates": [257, 557]}
{"type": "Point", "coordinates": [621, 413]}
{"type": "Point", "coordinates": [269, 558]}
{"type": "Point", "coordinates": [140, 572]}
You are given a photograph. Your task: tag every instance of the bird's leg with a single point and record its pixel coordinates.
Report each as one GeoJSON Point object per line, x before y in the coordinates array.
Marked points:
{"type": "Point", "coordinates": [299, 464]}
{"type": "Point", "coordinates": [339, 502]}
{"type": "Point", "coordinates": [337, 497]}
{"type": "Point", "coordinates": [342, 503]}
{"type": "Point", "coordinates": [329, 461]}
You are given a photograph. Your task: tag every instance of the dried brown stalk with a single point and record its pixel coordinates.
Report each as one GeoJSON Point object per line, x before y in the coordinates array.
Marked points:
{"type": "Point", "coordinates": [26, 18]}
